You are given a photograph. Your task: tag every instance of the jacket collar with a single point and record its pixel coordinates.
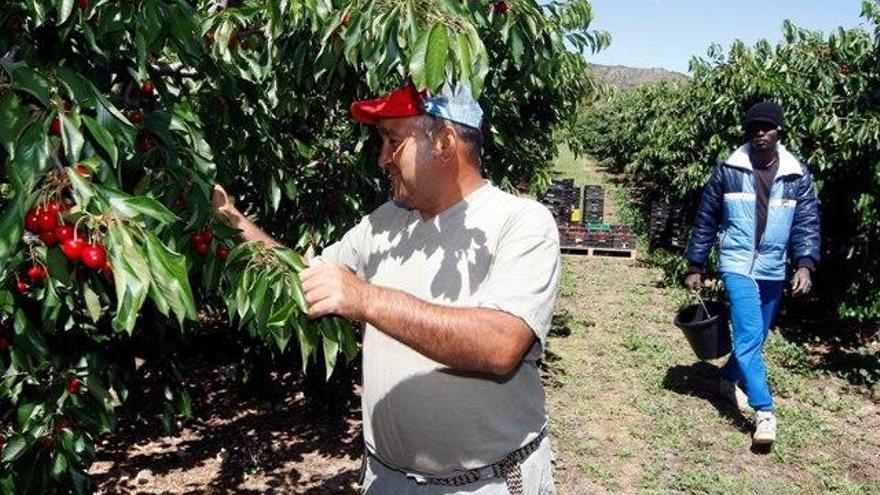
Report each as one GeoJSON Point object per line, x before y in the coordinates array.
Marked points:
{"type": "Point", "coordinates": [788, 164]}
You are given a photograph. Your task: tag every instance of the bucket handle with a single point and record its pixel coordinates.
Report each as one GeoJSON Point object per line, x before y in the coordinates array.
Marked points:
{"type": "Point", "coordinates": [703, 304]}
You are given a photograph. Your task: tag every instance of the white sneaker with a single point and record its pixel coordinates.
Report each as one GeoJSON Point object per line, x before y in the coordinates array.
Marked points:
{"type": "Point", "coordinates": [765, 428]}
{"type": "Point", "coordinates": [735, 395]}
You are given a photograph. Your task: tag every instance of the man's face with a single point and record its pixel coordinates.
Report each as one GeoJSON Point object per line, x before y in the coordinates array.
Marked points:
{"type": "Point", "coordinates": [407, 158]}
{"type": "Point", "coordinates": [763, 136]}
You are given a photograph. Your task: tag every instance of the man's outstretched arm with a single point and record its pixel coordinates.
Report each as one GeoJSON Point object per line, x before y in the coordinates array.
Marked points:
{"type": "Point", "coordinates": [249, 230]}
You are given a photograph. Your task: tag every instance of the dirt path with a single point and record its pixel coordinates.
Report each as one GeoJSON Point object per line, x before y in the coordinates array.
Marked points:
{"type": "Point", "coordinates": [635, 412]}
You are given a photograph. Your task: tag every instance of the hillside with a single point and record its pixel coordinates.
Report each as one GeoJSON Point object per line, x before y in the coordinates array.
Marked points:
{"type": "Point", "coordinates": [629, 77]}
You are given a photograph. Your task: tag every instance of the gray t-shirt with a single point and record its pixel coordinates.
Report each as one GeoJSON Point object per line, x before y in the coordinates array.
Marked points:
{"type": "Point", "coordinates": [490, 250]}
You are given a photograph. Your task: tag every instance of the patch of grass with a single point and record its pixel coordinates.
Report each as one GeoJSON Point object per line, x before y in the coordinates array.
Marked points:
{"type": "Point", "coordinates": [799, 430]}
{"type": "Point", "coordinates": [647, 347]}
{"type": "Point", "coordinates": [600, 474]}
{"type": "Point", "coordinates": [788, 354]}
{"type": "Point", "coordinates": [569, 284]}
{"type": "Point", "coordinates": [581, 169]}
{"type": "Point", "coordinates": [709, 480]}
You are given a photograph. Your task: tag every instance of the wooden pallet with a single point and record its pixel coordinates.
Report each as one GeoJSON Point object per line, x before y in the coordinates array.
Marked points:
{"type": "Point", "coordinates": [599, 251]}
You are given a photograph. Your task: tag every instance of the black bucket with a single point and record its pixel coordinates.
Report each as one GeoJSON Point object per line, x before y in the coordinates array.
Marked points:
{"type": "Point", "coordinates": [708, 335]}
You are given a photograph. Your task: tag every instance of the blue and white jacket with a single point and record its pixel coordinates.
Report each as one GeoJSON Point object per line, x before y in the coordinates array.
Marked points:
{"type": "Point", "coordinates": [727, 213]}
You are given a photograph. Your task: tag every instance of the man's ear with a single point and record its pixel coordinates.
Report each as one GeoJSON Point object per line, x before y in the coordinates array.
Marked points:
{"type": "Point", "coordinates": [444, 143]}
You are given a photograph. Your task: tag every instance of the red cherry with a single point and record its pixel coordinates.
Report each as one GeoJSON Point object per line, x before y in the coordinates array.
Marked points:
{"type": "Point", "coordinates": [145, 141]}
{"type": "Point", "coordinates": [53, 207]}
{"type": "Point", "coordinates": [55, 127]}
{"type": "Point", "coordinates": [64, 233]}
{"type": "Point", "coordinates": [48, 238]}
{"type": "Point", "coordinates": [245, 45]}
{"type": "Point", "coordinates": [499, 7]}
{"type": "Point", "coordinates": [67, 105]}
{"type": "Point", "coordinates": [47, 220]}
{"type": "Point", "coordinates": [147, 89]}
{"type": "Point", "coordinates": [93, 256]}
{"type": "Point", "coordinates": [72, 248]}
{"type": "Point", "coordinates": [135, 117]}
{"type": "Point", "coordinates": [202, 248]}
{"type": "Point", "coordinates": [65, 423]}
{"type": "Point", "coordinates": [345, 20]}
{"type": "Point", "coordinates": [83, 170]}
{"type": "Point", "coordinates": [222, 252]}
{"type": "Point", "coordinates": [82, 4]}
{"type": "Point", "coordinates": [73, 385]}
{"type": "Point", "coordinates": [4, 344]}
{"type": "Point", "coordinates": [21, 286]}
{"type": "Point", "coordinates": [37, 274]}
{"type": "Point", "coordinates": [32, 221]}
{"type": "Point", "coordinates": [207, 235]}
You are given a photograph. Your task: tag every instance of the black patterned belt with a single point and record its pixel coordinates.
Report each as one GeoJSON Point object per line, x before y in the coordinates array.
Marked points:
{"type": "Point", "coordinates": [507, 469]}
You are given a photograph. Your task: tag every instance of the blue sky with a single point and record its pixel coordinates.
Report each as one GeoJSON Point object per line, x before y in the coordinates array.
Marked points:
{"type": "Point", "coordinates": [667, 33]}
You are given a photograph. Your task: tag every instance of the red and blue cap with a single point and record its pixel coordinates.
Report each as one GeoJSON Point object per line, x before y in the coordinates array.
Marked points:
{"type": "Point", "coordinates": [452, 104]}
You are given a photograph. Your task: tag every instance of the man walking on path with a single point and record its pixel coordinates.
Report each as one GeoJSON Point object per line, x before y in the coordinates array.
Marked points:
{"type": "Point", "coordinates": [759, 202]}
{"type": "Point", "coordinates": [455, 281]}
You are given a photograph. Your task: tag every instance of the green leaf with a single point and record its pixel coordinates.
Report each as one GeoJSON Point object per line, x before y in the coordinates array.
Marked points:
{"type": "Point", "coordinates": [290, 257]}
{"type": "Point", "coordinates": [170, 278]}
{"type": "Point", "coordinates": [481, 62]}
{"type": "Point", "coordinates": [435, 57]}
{"type": "Point", "coordinates": [274, 193]}
{"type": "Point", "coordinates": [307, 333]}
{"type": "Point", "coordinates": [259, 295]}
{"type": "Point", "coordinates": [58, 266]}
{"type": "Point", "coordinates": [131, 274]}
{"type": "Point", "coordinates": [16, 445]}
{"type": "Point", "coordinates": [417, 59]}
{"type": "Point", "coordinates": [330, 344]}
{"type": "Point", "coordinates": [32, 158]}
{"type": "Point", "coordinates": [64, 11]}
{"type": "Point", "coordinates": [11, 227]}
{"type": "Point", "coordinates": [59, 464]}
{"type": "Point", "coordinates": [298, 294]}
{"type": "Point", "coordinates": [184, 402]}
{"type": "Point", "coordinates": [28, 80]}
{"type": "Point", "coordinates": [151, 208]}
{"type": "Point", "coordinates": [83, 191]}
{"type": "Point", "coordinates": [13, 118]}
{"type": "Point", "coordinates": [99, 392]}
{"type": "Point", "coordinates": [81, 90]}
{"type": "Point", "coordinates": [93, 303]}
{"type": "Point", "coordinates": [516, 46]}
{"type": "Point", "coordinates": [103, 138]}
{"type": "Point", "coordinates": [29, 338]}
{"type": "Point", "coordinates": [465, 61]}
{"type": "Point", "coordinates": [282, 336]}
{"type": "Point", "coordinates": [347, 339]}
{"type": "Point", "coordinates": [242, 291]}
{"type": "Point", "coordinates": [71, 137]}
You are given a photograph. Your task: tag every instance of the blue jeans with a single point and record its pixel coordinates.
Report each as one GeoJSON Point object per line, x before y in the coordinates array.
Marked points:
{"type": "Point", "coordinates": [753, 305]}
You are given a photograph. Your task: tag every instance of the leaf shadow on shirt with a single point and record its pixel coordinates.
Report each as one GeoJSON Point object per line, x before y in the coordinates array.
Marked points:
{"type": "Point", "coordinates": [446, 233]}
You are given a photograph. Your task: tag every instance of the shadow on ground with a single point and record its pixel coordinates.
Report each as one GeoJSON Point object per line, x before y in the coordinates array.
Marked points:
{"type": "Point", "coordinates": [701, 380]}
{"type": "Point", "coordinates": [287, 435]}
